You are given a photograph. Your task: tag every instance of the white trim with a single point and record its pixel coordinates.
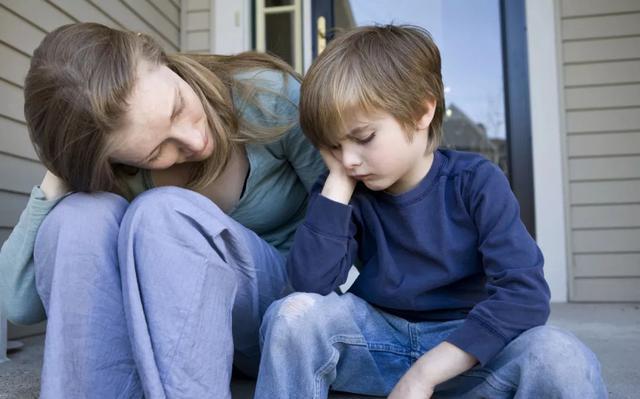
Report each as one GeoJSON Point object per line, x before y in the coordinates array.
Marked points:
{"type": "Point", "coordinates": [307, 56]}
{"type": "Point", "coordinates": [297, 35]}
{"type": "Point", "coordinates": [549, 172]}
{"type": "Point", "coordinates": [230, 26]}
{"type": "Point", "coordinates": [261, 44]}
{"type": "Point", "coordinates": [281, 9]}
{"type": "Point", "coordinates": [248, 25]}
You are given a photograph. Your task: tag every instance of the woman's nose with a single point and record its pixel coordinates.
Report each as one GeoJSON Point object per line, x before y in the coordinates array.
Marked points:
{"type": "Point", "coordinates": [191, 141]}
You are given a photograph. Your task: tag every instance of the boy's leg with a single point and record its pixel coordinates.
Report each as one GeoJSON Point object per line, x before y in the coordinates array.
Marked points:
{"type": "Point", "coordinates": [87, 351]}
{"type": "Point", "coordinates": [313, 342]}
{"type": "Point", "coordinates": [188, 270]}
{"type": "Point", "coordinates": [544, 362]}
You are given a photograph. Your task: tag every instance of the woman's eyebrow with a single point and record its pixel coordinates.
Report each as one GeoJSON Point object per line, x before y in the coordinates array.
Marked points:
{"type": "Point", "coordinates": [178, 104]}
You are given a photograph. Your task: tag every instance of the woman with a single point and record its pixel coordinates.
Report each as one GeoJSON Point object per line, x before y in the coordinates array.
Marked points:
{"type": "Point", "coordinates": [160, 295]}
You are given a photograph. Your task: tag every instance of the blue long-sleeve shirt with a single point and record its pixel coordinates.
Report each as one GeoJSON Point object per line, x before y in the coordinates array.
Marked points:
{"type": "Point", "coordinates": [453, 247]}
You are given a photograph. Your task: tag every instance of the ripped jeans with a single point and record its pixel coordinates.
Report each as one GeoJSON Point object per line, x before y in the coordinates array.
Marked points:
{"type": "Point", "coordinates": [154, 298]}
{"type": "Point", "coordinates": [311, 343]}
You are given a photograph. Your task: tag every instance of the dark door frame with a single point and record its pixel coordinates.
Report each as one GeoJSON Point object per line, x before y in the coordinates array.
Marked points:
{"type": "Point", "coordinates": [517, 107]}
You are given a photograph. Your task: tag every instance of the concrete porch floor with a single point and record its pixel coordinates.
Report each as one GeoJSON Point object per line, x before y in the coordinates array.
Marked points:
{"type": "Point", "coordinates": [612, 331]}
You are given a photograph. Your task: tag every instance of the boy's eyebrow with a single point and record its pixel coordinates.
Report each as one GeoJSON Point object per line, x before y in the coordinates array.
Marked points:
{"type": "Point", "coordinates": [359, 129]}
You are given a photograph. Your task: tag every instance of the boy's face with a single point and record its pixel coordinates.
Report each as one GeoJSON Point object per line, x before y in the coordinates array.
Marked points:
{"type": "Point", "coordinates": [379, 152]}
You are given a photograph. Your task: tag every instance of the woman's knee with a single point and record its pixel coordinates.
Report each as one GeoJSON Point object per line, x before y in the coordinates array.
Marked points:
{"type": "Point", "coordinates": [75, 250]}
{"type": "Point", "coordinates": [158, 204]}
{"type": "Point", "coordinates": [81, 220]}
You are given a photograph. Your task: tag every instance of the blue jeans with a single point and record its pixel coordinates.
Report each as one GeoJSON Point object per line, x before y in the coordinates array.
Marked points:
{"type": "Point", "coordinates": [157, 298]}
{"type": "Point", "coordinates": [311, 343]}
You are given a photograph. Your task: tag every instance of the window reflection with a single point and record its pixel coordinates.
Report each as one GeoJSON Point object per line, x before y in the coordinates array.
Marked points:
{"type": "Point", "coordinates": [469, 38]}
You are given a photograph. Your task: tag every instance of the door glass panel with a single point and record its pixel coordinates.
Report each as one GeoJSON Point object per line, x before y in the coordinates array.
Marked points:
{"type": "Point", "coordinates": [469, 38]}
{"type": "Point", "coordinates": [279, 35]}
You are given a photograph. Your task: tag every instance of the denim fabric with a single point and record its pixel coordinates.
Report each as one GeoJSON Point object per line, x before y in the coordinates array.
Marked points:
{"type": "Point", "coordinates": [152, 298]}
{"type": "Point", "coordinates": [312, 343]}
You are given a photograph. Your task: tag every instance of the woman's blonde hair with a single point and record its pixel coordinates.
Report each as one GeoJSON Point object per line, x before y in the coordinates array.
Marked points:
{"type": "Point", "coordinates": [389, 68]}
{"type": "Point", "coordinates": [76, 93]}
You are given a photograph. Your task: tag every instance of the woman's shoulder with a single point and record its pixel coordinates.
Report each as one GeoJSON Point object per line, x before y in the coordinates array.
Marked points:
{"type": "Point", "coordinates": [272, 85]}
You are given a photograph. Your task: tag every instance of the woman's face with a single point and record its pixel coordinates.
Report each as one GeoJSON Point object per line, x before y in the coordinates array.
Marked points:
{"type": "Point", "coordinates": [165, 123]}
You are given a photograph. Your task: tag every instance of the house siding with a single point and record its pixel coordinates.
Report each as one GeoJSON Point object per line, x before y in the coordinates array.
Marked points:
{"type": "Point", "coordinates": [601, 75]}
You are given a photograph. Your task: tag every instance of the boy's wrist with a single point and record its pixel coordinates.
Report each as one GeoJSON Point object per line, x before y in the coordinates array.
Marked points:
{"type": "Point", "coordinates": [338, 188]}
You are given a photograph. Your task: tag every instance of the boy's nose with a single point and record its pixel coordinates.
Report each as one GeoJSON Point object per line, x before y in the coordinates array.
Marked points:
{"type": "Point", "coordinates": [350, 159]}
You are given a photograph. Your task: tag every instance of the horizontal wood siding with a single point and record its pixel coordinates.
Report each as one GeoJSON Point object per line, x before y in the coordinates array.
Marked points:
{"type": "Point", "coordinates": [197, 26]}
{"type": "Point", "coordinates": [601, 68]}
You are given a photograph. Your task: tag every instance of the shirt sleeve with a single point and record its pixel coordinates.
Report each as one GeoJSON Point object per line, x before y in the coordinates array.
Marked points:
{"type": "Point", "coordinates": [518, 295]}
{"type": "Point", "coordinates": [324, 247]}
{"type": "Point", "coordinates": [17, 276]}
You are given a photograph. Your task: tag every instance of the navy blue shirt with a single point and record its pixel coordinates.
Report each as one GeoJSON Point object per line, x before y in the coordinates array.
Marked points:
{"type": "Point", "coordinates": [453, 247]}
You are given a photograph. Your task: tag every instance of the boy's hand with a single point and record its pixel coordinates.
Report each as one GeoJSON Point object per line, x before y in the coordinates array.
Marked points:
{"type": "Point", "coordinates": [438, 365]}
{"type": "Point", "coordinates": [339, 185]}
{"type": "Point", "coordinates": [412, 385]}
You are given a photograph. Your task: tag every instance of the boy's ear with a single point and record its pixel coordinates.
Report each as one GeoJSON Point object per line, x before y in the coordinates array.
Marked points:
{"type": "Point", "coordinates": [427, 117]}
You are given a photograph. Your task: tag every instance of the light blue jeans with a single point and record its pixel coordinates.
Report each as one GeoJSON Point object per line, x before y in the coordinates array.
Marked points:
{"type": "Point", "coordinates": [312, 343]}
{"type": "Point", "coordinates": [157, 298]}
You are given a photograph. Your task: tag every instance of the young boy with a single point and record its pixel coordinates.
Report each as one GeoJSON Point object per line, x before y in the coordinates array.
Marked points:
{"type": "Point", "coordinates": [449, 277]}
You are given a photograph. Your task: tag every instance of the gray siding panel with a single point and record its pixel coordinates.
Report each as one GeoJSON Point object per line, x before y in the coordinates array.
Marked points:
{"type": "Point", "coordinates": [600, 144]}
{"type": "Point", "coordinates": [44, 16]}
{"type": "Point", "coordinates": [606, 240]}
{"type": "Point", "coordinates": [601, 26]}
{"type": "Point", "coordinates": [14, 139]}
{"type": "Point", "coordinates": [18, 33]}
{"type": "Point", "coordinates": [197, 26]}
{"type": "Point", "coordinates": [169, 10]}
{"type": "Point", "coordinates": [603, 97]}
{"type": "Point", "coordinates": [602, 73]}
{"type": "Point", "coordinates": [601, 65]}
{"type": "Point", "coordinates": [602, 50]}
{"type": "Point", "coordinates": [607, 289]}
{"type": "Point", "coordinates": [12, 102]}
{"type": "Point", "coordinates": [608, 265]}
{"type": "Point", "coordinates": [605, 192]}
{"type": "Point", "coordinates": [576, 8]}
{"type": "Point", "coordinates": [605, 216]}
{"type": "Point", "coordinates": [128, 18]}
{"type": "Point", "coordinates": [604, 168]}
{"type": "Point", "coordinates": [82, 10]}
{"type": "Point", "coordinates": [19, 175]}
{"type": "Point", "coordinates": [606, 120]}
{"type": "Point", "coordinates": [198, 20]}
{"type": "Point", "coordinates": [15, 65]}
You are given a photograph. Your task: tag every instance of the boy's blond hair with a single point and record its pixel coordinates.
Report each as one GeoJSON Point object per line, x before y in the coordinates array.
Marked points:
{"type": "Point", "coordinates": [389, 68]}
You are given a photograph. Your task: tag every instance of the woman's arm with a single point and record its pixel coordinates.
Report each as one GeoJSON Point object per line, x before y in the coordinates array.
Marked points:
{"type": "Point", "coordinates": [17, 276]}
